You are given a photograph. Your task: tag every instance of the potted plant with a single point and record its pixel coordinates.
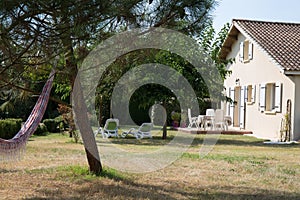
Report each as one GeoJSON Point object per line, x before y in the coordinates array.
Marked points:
{"type": "Point", "coordinates": [183, 122]}
{"type": "Point", "coordinates": [175, 116]}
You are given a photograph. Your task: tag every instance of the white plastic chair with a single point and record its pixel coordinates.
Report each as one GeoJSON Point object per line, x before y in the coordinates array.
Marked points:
{"type": "Point", "coordinates": [209, 118]}
{"type": "Point", "coordinates": [192, 120]}
{"type": "Point", "coordinates": [144, 131]}
{"type": "Point", "coordinates": [110, 129]}
{"type": "Point", "coordinates": [219, 121]}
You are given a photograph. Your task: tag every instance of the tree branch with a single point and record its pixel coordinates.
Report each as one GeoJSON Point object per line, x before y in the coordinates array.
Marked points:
{"type": "Point", "coordinates": [37, 93]}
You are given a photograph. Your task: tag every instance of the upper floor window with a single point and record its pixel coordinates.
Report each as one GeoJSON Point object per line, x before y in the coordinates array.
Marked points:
{"type": "Point", "coordinates": [246, 51]}
{"type": "Point", "coordinates": [250, 94]}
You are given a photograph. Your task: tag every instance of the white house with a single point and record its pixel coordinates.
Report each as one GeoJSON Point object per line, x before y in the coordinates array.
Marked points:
{"type": "Point", "coordinates": [265, 78]}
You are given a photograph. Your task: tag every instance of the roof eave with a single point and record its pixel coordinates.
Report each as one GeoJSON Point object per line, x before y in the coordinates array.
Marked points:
{"type": "Point", "coordinates": [289, 72]}
{"type": "Point", "coordinates": [225, 49]}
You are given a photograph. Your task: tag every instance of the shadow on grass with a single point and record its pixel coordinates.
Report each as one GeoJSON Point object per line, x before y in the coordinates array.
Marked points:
{"type": "Point", "coordinates": [154, 141]}
{"type": "Point", "coordinates": [114, 187]}
{"type": "Point", "coordinates": [241, 193]}
{"type": "Point", "coordinates": [234, 140]}
{"type": "Point", "coordinates": [4, 171]}
{"type": "Point", "coordinates": [110, 184]}
{"type": "Point", "coordinates": [243, 141]}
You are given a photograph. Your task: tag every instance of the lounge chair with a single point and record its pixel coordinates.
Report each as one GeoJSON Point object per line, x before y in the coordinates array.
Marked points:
{"type": "Point", "coordinates": [110, 129]}
{"type": "Point", "coordinates": [144, 131]}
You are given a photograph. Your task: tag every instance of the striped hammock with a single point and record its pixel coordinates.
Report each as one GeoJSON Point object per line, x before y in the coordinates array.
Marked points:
{"type": "Point", "coordinates": [12, 149]}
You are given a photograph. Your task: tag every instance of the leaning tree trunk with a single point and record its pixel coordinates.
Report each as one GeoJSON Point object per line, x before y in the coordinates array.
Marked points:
{"type": "Point", "coordinates": [81, 117]}
{"type": "Point", "coordinates": [86, 130]}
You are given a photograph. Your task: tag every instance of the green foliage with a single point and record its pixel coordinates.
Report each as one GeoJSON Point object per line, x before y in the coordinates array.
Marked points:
{"type": "Point", "coordinates": [70, 29]}
{"type": "Point", "coordinates": [113, 174]}
{"type": "Point", "coordinates": [9, 128]}
{"type": "Point", "coordinates": [15, 103]}
{"type": "Point", "coordinates": [212, 44]}
{"type": "Point", "coordinates": [76, 28]}
{"type": "Point", "coordinates": [175, 116]}
{"type": "Point", "coordinates": [52, 125]}
{"type": "Point", "coordinates": [138, 114]}
{"type": "Point", "coordinates": [41, 130]}
{"type": "Point", "coordinates": [63, 89]}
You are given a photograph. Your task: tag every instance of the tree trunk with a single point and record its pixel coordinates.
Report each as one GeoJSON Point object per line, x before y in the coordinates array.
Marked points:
{"type": "Point", "coordinates": [80, 108]}
{"type": "Point", "coordinates": [164, 136]}
{"type": "Point", "coordinates": [86, 131]}
{"type": "Point", "coordinates": [100, 111]}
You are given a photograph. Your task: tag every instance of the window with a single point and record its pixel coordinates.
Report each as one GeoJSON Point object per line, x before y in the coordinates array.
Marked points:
{"type": "Point", "coordinates": [250, 94]}
{"type": "Point", "coordinates": [246, 51]}
{"type": "Point", "coordinates": [270, 97]}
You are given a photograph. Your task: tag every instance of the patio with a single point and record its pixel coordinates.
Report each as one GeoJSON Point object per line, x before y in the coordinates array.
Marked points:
{"type": "Point", "coordinates": [230, 131]}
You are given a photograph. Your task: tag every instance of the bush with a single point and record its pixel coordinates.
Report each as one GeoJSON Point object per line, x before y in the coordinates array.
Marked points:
{"type": "Point", "coordinates": [62, 125]}
{"type": "Point", "coordinates": [52, 125]}
{"type": "Point", "coordinates": [41, 130]}
{"type": "Point", "coordinates": [9, 128]}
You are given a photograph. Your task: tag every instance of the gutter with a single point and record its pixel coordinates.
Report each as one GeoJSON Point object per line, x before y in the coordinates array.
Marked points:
{"type": "Point", "coordinates": [297, 73]}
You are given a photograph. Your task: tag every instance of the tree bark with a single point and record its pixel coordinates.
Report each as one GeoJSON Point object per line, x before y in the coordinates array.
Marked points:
{"type": "Point", "coordinates": [100, 111]}
{"type": "Point", "coordinates": [80, 109]}
{"type": "Point", "coordinates": [86, 131]}
{"type": "Point", "coordinates": [164, 136]}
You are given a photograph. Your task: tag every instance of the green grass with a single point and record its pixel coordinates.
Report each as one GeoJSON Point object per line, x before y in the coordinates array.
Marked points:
{"type": "Point", "coordinates": [228, 158]}
{"type": "Point", "coordinates": [237, 167]}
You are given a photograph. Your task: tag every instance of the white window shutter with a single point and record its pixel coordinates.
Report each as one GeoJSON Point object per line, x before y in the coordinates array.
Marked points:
{"type": "Point", "coordinates": [262, 97]}
{"type": "Point", "coordinates": [278, 96]}
{"type": "Point", "coordinates": [231, 105]}
{"type": "Point", "coordinates": [242, 108]}
{"type": "Point", "coordinates": [250, 50]}
{"type": "Point", "coordinates": [246, 93]}
{"type": "Point", "coordinates": [242, 51]}
{"type": "Point", "coordinates": [253, 94]}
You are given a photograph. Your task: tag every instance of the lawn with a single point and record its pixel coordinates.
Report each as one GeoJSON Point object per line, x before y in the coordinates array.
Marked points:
{"type": "Point", "coordinates": [238, 167]}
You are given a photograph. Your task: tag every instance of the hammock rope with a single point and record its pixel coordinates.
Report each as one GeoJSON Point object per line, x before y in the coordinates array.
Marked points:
{"type": "Point", "coordinates": [12, 149]}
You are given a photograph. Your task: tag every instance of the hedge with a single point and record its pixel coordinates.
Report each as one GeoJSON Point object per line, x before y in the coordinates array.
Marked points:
{"type": "Point", "coordinates": [9, 127]}
{"type": "Point", "coordinates": [41, 130]}
{"type": "Point", "coordinates": [51, 125]}
{"type": "Point", "coordinates": [54, 125]}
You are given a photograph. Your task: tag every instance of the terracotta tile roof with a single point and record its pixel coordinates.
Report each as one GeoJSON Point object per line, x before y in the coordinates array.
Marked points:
{"type": "Point", "coordinates": [280, 40]}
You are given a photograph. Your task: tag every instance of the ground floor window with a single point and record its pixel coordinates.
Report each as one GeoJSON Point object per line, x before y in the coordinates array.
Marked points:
{"type": "Point", "coordinates": [270, 97]}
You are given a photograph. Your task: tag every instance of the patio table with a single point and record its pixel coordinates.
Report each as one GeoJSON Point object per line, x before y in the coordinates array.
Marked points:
{"type": "Point", "coordinates": [202, 121]}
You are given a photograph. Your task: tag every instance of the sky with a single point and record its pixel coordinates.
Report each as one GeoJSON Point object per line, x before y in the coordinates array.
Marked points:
{"type": "Point", "coordinates": [266, 10]}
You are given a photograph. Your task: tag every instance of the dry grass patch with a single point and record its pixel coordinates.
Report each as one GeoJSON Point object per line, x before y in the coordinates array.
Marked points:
{"type": "Point", "coordinates": [238, 167]}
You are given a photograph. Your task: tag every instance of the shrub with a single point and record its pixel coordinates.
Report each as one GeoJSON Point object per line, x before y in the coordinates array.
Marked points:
{"type": "Point", "coordinates": [52, 125]}
{"type": "Point", "coordinates": [9, 128]}
{"type": "Point", "coordinates": [41, 130]}
{"type": "Point", "coordinates": [67, 115]}
{"type": "Point", "coordinates": [62, 125]}
{"type": "Point", "coordinates": [175, 116]}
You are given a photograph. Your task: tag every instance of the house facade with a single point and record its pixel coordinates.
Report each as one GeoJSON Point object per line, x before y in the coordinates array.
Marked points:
{"type": "Point", "coordinates": [264, 83]}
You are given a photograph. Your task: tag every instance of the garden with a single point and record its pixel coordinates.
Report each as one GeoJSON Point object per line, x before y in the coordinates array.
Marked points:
{"type": "Point", "coordinates": [45, 50]}
{"type": "Point", "coordinates": [238, 167]}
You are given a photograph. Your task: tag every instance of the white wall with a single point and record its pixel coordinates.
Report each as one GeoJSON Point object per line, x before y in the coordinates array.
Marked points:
{"type": "Point", "coordinates": [296, 108]}
{"type": "Point", "coordinates": [260, 70]}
